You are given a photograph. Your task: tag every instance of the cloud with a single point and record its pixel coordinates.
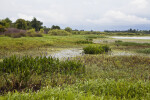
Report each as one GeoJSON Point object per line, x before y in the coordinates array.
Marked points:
{"type": "Point", "coordinates": [141, 4]}
{"type": "Point", "coordinates": [119, 18]}
{"type": "Point", "coordinates": [26, 17]}
{"type": "Point", "coordinates": [79, 13]}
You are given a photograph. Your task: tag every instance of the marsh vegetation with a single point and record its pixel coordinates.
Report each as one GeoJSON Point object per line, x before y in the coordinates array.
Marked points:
{"type": "Point", "coordinates": [68, 64]}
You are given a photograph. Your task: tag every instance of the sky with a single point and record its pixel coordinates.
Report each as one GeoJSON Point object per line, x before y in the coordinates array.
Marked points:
{"type": "Point", "coordinates": [96, 15]}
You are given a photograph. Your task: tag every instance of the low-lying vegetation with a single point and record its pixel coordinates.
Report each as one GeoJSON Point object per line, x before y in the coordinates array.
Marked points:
{"type": "Point", "coordinates": [84, 42]}
{"type": "Point", "coordinates": [105, 77]}
{"type": "Point", "coordinates": [145, 51]}
{"type": "Point", "coordinates": [96, 49]}
{"type": "Point", "coordinates": [58, 32]}
{"type": "Point", "coordinates": [17, 73]}
{"type": "Point", "coordinates": [89, 90]}
{"type": "Point", "coordinates": [131, 43]}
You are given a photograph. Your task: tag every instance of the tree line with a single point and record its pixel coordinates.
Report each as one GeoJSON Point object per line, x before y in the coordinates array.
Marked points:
{"type": "Point", "coordinates": [24, 25]}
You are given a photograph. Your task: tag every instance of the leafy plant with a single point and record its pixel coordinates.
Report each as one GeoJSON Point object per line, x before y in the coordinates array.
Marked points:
{"type": "Point", "coordinates": [96, 49]}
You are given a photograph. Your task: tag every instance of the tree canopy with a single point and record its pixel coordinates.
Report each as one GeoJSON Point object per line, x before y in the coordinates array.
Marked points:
{"type": "Point", "coordinates": [37, 25]}
{"type": "Point", "coordinates": [21, 24]}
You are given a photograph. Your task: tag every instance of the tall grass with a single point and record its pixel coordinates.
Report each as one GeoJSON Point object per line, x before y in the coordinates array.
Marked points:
{"type": "Point", "coordinates": [22, 69]}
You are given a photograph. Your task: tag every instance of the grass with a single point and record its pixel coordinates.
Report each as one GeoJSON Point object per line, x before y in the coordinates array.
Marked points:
{"type": "Point", "coordinates": [131, 43]}
{"type": "Point", "coordinates": [90, 90]}
{"type": "Point", "coordinates": [145, 51]}
{"type": "Point", "coordinates": [88, 77]}
{"type": "Point", "coordinates": [10, 46]}
{"type": "Point", "coordinates": [106, 77]}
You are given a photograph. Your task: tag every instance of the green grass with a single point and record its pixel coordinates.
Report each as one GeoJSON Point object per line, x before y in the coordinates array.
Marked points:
{"type": "Point", "coordinates": [131, 43]}
{"type": "Point", "coordinates": [95, 77]}
{"type": "Point", "coordinates": [145, 51]}
{"type": "Point", "coordinates": [89, 90]}
{"type": "Point", "coordinates": [10, 46]}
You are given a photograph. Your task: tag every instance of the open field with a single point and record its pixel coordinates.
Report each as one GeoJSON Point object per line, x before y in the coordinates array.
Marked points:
{"type": "Point", "coordinates": [123, 73]}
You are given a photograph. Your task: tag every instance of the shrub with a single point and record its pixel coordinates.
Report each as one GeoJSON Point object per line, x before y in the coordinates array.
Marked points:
{"type": "Point", "coordinates": [96, 49]}
{"type": "Point", "coordinates": [58, 32]}
{"type": "Point", "coordinates": [31, 31]}
{"type": "Point", "coordinates": [68, 29]}
{"type": "Point", "coordinates": [41, 31]}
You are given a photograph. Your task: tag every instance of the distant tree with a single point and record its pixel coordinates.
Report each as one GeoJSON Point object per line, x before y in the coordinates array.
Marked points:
{"type": "Point", "coordinates": [55, 27]}
{"type": "Point", "coordinates": [28, 24]}
{"type": "Point", "coordinates": [68, 29]}
{"type": "Point", "coordinates": [4, 23]}
{"type": "Point", "coordinates": [46, 29]}
{"type": "Point", "coordinates": [2, 28]}
{"type": "Point", "coordinates": [21, 24]}
{"type": "Point", "coordinates": [37, 25]}
{"type": "Point", "coordinates": [8, 20]}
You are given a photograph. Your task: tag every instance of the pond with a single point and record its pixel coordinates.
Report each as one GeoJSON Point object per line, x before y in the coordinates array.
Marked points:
{"type": "Point", "coordinates": [67, 53]}
{"type": "Point", "coordinates": [119, 37]}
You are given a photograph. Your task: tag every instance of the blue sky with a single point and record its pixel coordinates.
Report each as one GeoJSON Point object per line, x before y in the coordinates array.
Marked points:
{"type": "Point", "coordinates": [81, 14]}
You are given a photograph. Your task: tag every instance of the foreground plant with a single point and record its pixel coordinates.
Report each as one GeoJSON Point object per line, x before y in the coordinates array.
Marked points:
{"type": "Point", "coordinates": [19, 72]}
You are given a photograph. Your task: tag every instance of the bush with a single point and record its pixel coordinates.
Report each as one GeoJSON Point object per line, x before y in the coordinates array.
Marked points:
{"type": "Point", "coordinates": [96, 49]}
{"type": "Point", "coordinates": [32, 33]}
{"type": "Point", "coordinates": [59, 32]}
{"type": "Point", "coordinates": [41, 31]}
{"type": "Point", "coordinates": [68, 29]}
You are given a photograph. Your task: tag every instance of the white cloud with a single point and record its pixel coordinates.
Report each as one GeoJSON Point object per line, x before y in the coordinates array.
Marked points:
{"type": "Point", "coordinates": [139, 3]}
{"type": "Point", "coordinates": [119, 18]}
{"type": "Point", "coordinates": [26, 17]}
{"type": "Point", "coordinates": [79, 13]}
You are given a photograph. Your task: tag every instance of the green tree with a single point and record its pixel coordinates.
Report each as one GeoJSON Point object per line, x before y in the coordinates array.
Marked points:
{"type": "Point", "coordinates": [28, 24]}
{"type": "Point", "coordinates": [21, 24]}
{"type": "Point", "coordinates": [55, 27]}
{"type": "Point", "coordinates": [68, 29]}
{"type": "Point", "coordinates": [4, 23]}
{"type": "Point", "coordinates": [8, 20]}
{"type": "Point", "coordinates": [37, 25]}
{"type": "Point", "coordinates": [2, 28]}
